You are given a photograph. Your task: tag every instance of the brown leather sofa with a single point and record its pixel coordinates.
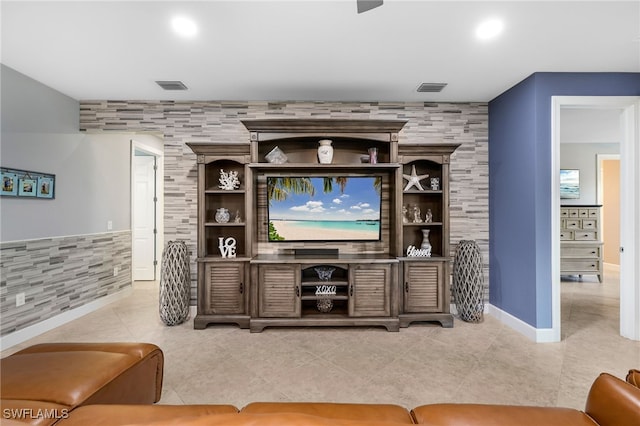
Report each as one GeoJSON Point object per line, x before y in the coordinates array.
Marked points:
{"type": "Point", "coordinates": [101, 402]}
{"type": "Point", "coordinates": [611, 402]}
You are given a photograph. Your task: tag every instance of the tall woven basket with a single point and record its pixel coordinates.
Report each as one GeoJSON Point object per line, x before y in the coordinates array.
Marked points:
{"type": "Point", "coordinates": [468, 281]}
{"type": "Point", "coordinates": [175, 283]}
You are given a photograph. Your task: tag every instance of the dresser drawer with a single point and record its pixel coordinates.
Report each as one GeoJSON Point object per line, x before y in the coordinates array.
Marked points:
{"type": "Point", "coordinates": [589, 224]}
{"type": "Point", "coordinates": [572, 224]}
{"type": "Point", "coordinates": [566, 235]}
{"type": "Point", "coordinates": [585, 236]}
{"type": "Point", "coordinates": [590, 252]}
{"type": "Point", "coordinates": [564, 213]}
{"type": "Point", "coordinates": [593, 213]}
{"type": "Point", "coordinates": [574, 213]}
{"type": "Point", "coordinates": [583, 213]}
{"type": "Point", "coordinates": [567, 265]}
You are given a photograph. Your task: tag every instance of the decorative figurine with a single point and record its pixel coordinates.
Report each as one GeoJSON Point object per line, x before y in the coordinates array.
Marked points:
{"type": "Point", "coordinates": [229, 181]}
{"type": "Point", "coordinates": [416, 214]}
{"type": "Point", "coordinates": [237, 218]}
{"type": "Point", "coordinates": [435, 184]}
{"type": "Point", "coordinates": [414, 179]}
{"type": "Point", "coordinates": [405, 210]}
{"type": "Point", "coordinates": [428, 218]}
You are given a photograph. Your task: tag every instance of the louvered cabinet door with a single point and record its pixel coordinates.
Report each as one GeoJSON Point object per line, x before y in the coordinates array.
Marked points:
{"type": "Point", "coordinates": [369, 290]}
{"type": "Point", "coordinates": [279, 287]}
{"type": "Point", "coordinates": [422, 286]}
{"type": "Point", "coordinates": [224, 288]}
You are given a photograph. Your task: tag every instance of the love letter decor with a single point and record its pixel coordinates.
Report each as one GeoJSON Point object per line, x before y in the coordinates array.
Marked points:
{"type": "Point", "coordinates": [227, 247]}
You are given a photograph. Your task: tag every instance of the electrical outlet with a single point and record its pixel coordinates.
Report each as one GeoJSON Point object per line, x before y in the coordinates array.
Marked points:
{"type": "Point", "coordinates": [19, 299]}
{"type": "Point", "coordinates": [109, 225]}
{"type": "Point", "coordinates": [116, 270]}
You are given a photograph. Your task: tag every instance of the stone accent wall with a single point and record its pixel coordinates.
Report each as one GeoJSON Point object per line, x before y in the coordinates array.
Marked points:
{"type": "Point", "coordinates": [181, 122]}
{"type": "Point", "coordinates": [59, 274]}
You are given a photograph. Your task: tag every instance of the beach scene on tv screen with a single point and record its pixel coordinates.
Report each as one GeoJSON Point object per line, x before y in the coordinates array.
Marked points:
{"type": "Point", "coordinates": [324, 208]}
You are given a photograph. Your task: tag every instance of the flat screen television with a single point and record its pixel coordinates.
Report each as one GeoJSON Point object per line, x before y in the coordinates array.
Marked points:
{"type": "Point", "coordinates": [324, 208]}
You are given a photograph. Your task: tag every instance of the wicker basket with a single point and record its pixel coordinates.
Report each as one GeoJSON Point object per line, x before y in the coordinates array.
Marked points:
{"type": "Point", "coordinates": [468, 281]}
{"type": "Point", "coordinates": [175, 283]}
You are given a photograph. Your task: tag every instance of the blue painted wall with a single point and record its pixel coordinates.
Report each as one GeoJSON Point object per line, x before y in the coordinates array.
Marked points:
{"type": "Point", "coordinates": [520, 182]}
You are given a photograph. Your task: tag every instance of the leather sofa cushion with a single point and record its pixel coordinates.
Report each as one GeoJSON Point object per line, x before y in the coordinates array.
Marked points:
{"type": "Point", "coordinates": [613, 402]}
{"type": "Point", "coordinates": [634, 378]}
{"type": "Point", "coordinates": [498, 415]}
{"type": "Point", "coordinates": [66, 378]}
{"type": "Point", "coordinates": [116, 415]}
{"type": "Point", "coordinates": [344, 411]}
{"type": "Point", "coordinates": [279, 419]}
{"type": "Point", "coordinates": [137, 350]}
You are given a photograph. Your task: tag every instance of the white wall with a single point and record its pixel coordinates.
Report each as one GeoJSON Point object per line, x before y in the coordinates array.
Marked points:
{"type": "Point", "coordinates": [40, 133]}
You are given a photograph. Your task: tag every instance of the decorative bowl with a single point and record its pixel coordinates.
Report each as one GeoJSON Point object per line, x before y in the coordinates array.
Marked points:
{"type": "Point", "coordinates": [324, 272]}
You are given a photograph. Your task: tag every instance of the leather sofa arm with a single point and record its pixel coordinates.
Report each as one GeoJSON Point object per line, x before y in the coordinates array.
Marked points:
{"type": "Point", "coordinates": [613, 402]}
{"type": "Point", "coordinates": [633, 377]}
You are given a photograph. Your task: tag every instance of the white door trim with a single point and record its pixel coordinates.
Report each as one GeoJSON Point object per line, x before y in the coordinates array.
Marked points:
{"type": "Point", "coordinates": [148, 149]}
{"type": "Point", "coordinates": [629, 207]}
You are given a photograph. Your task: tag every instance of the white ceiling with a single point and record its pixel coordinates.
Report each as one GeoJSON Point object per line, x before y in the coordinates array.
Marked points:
{"type": "Point", "coordinates": [311, 50]}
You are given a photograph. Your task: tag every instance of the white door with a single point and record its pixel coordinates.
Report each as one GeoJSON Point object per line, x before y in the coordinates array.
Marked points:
{"type": "Point", "coordinates": [144, 255]}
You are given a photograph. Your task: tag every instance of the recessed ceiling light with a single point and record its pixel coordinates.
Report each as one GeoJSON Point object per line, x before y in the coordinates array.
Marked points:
{"type": "Point", "coordinates": [184, 27]}
{"type": "Point", "coordinates": [489, 29]}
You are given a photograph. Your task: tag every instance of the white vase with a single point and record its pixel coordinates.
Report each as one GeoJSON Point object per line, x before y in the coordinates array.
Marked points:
{"type": "Point", "coordinates": [426, 245]}
{"type": "Point", "coordinates": [325, 151]}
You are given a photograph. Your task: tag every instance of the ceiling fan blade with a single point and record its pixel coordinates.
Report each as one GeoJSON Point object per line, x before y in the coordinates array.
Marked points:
{"type": "Point", "coordinates": [365, 5]}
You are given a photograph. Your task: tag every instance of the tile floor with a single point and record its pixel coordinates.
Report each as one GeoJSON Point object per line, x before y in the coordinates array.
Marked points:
{"type": "Point", "coordinates": [482, 363]}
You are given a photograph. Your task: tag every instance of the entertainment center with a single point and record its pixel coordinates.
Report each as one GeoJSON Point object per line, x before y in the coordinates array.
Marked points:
{"type": "Point", "coordinates": [355, 233]}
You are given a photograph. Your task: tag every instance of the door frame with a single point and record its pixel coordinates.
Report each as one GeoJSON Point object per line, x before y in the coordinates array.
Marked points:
{"type": "Point", "coordinates": [629, 207]}
{"type": "Point", "coordinates": [137, 145]}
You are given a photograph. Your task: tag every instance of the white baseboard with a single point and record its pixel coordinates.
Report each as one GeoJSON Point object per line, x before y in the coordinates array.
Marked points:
{"type": "Point", "coordinates": [454, 309]}
{"type": "Point", "coordinates": [538, 335]}
{"type": "Point", "coordinates": [34, 330]}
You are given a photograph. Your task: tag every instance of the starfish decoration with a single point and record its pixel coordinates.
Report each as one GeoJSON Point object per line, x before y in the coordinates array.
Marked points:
{"type": "Point", "coordinates": [413, 179]}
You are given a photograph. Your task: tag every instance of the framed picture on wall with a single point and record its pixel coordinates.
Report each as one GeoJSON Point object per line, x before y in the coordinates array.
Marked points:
{"type": "Point", "coordinates": [569, 183]}
{"type": "Point", "coordinates": [9, 184]}
{"type": "Point", "coordinates": [45, 187]}
{"type": "Point", "coordinates": [27, 187]}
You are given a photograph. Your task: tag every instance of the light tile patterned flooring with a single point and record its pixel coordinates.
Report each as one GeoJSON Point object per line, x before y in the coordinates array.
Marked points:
{"type": "Point", "coordinates": [482, 363]}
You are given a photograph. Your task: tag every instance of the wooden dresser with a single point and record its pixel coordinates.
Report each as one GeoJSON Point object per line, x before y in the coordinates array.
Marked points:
{"type": "Point", "coordinates": [581, 240]}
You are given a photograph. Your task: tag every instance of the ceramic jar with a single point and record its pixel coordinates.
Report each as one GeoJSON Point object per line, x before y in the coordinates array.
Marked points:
{"type": "Point", "coordinates": [222, 215]}
{"type": "Point", "coordinates": [325, 151]}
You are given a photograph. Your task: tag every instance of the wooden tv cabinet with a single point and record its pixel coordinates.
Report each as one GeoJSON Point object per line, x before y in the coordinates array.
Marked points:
{"type": "Point", "coordinates": [374, 283]}
{"type": "Point", "coordinates": [284, 291]}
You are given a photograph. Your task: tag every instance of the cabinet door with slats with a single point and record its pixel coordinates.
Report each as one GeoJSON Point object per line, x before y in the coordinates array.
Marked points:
{"type": "Point", "coordinates": [279, 287]}
{"type": "Point", "coordinates": [421, 287]}
{"type": "Point", "coordinates": [225, 288]}
{"type": "Point", "coordinates": [369, 290]}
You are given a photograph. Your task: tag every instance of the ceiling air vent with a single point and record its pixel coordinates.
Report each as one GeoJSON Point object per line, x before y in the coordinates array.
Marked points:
{"type": "Point", "coordinates": [431, 87]}
{"type": "Point", "coordinates": [172, 85]}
